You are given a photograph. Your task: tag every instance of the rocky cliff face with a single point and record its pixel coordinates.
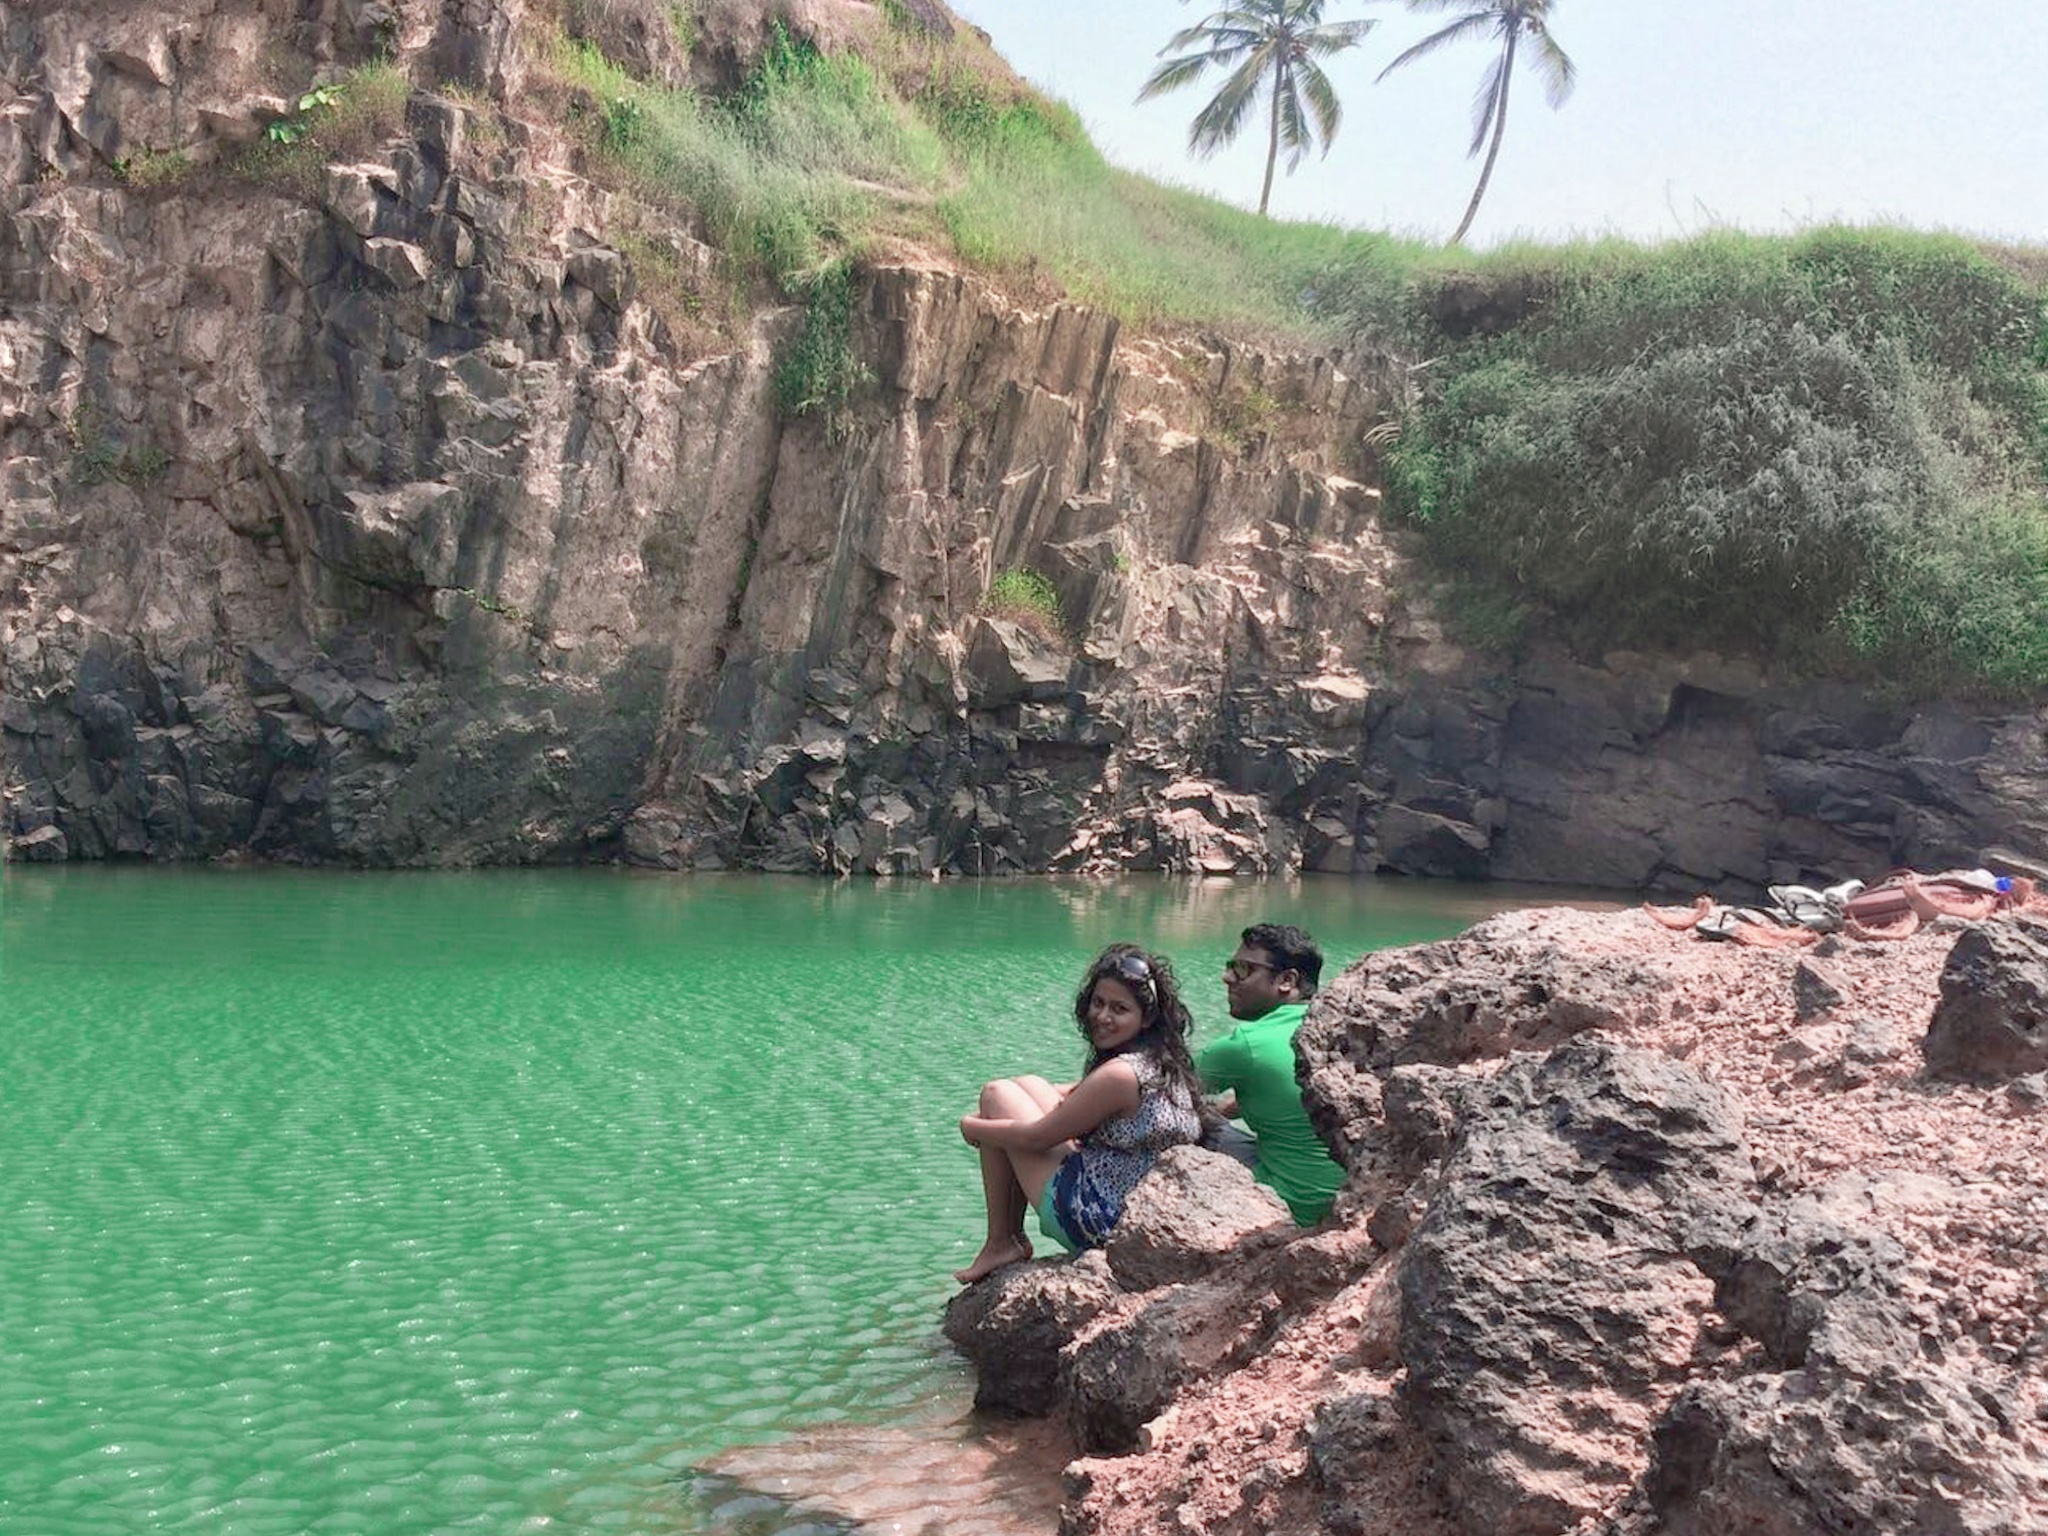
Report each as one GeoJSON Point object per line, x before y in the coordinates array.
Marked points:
{"type": "Point", "coordinates": [383, 521]}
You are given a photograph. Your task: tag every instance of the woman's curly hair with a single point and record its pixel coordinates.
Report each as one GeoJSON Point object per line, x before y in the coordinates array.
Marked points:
{"type": "Point", "coordinates": [1167, 1026]}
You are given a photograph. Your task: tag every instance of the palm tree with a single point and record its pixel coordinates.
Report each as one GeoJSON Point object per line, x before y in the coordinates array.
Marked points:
{"type": "Point", "coordinates": [1510, 21]}
{"type": "Point", "coordinates": [1268, 46]}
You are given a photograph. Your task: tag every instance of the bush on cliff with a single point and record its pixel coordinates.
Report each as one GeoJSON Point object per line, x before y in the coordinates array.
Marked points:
{"type": "Point", "coordinates": [1829, 450]}
{"type": "Point", "coordinates": [340, 121]}
{"type": "Point", "coordinates": [1026, 598]}
{"type": "Point", "coordinates": [780, 177]}
{"type": "Point", "coordinates": [820, 371]}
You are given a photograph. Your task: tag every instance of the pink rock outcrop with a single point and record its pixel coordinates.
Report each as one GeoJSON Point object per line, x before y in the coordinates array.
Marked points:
{"type": "Point", "coordinates": [1644, 1233]}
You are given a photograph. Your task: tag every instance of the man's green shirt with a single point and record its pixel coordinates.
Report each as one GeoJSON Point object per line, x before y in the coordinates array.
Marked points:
{"type": "Point", "coordinates": [1256, 1061]}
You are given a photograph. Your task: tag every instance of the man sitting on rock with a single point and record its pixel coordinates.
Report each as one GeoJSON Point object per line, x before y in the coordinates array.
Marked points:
{"type": "Point", "coordinates": [1268, 983]}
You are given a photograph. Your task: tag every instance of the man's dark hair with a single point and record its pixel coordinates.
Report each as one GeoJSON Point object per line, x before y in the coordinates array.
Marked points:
{"type": "Point", "coordinates": [1291, 949]}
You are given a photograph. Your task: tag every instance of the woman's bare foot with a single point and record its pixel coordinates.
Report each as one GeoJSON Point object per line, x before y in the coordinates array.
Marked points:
{"type": "Point", "coordinates": [997, 1253]}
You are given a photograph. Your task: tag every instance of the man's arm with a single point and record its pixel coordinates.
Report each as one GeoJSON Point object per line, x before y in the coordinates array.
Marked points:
{"type": "Point", "coordinates": [1221, 1064]}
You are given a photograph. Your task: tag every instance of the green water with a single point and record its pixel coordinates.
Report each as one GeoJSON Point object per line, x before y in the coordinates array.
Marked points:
{"type": "Point", "coordinates": [493, 1202]}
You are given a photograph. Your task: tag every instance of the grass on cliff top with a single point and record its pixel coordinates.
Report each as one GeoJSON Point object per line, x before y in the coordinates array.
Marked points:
{"type": "Point", "coordinates": [822, 154]}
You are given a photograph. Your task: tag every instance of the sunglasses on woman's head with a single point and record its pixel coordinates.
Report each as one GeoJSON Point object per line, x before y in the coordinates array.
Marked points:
{"type": "Point", "coordinates": [1136, 972]}
{"type": "Point", "coordinates": [1129, 967]}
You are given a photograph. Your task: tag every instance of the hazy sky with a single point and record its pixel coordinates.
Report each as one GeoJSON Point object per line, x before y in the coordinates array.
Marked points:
{"type": "Point", "coordinates": [1760, 114]}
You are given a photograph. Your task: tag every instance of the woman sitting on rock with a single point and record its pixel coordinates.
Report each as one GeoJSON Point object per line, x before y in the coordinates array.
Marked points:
{"type": "Point", "coordinates": [1074, 1152]}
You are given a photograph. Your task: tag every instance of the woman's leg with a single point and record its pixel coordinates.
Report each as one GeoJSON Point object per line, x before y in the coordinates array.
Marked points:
{"type": "Point", "coordinates": [1011, 1181]}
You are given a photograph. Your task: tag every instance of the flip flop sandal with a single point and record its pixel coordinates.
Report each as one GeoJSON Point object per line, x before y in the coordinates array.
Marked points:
{"type": "Point", "coordinates": [1805, 906]}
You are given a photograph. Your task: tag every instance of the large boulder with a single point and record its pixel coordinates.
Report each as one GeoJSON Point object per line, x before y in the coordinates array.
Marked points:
{"type": "Point", "coordinates": [1007, 664]}
{"type": "Point", "coordinates": [1548, 1302]}
{"type": "Point", "coordinates": [1130, 1363]}
{"type": "Point", "coordinates": [1139, 1357]}
{"type": "Point", "coordinates": [1892, 1454]}
{"type": "Point", "coordinates": [1186, 1216]}
{"type": "Point", "coordinates": [1511, 983]}
{"type": "Point", "coordinates": [1992, 1020]}
{"type": "Point", "coordinates": [1013, 1325]}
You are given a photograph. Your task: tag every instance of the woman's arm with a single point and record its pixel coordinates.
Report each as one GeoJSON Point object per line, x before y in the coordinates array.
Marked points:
{"type": "Point", "coordinates": [1111, 1089]}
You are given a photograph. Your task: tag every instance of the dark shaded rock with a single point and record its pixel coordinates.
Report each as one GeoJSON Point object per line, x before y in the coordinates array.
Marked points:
{"type": "Point", "coordinates": [1854, 1423]}
{"type": "Point", "coordinates": [1014, 1324]}
{"type": "Point", "coordinates": [1127, 1366]}
{"type": "Point", "coordinates": [1422, 1104]}
{"type": "Point", "coordinates": [1797, 1274]}
{"type": "Point", "coordinates": [1876, 1040]}
{"type": "Point", "coordinates": [1899, 1453]}
{"type": "Point", "coordinates": [1346, 1438]}
{"type": "Point", "coordinates": [637, 35]}
{"type": "Point", "coordinates": [605, 272]}
{"type": "Point", "coordinates": [107, 723]}
{"type": "Point", "coordinates": [1006, 664]}
{"type": "Point", "coordinates": [1549, 1285]}
{"type": "Point", "coordinates": [323, 694]}
{"type": "Point", "coordinates": [1813, 991]}
{"type": "Point", "coordinates": [1418, 842]}
{"type": "Point", "coordinates": [1187, 1214]}
{"type": "Point", "coordinates": [652, 838]}
{"type": "Point", "coordinates": [928, 17]}
{"type": "Point", "coordinates": [2028, 1095]}
{"type": "Point", "coordinates": [1992, 1020]}
{"type": "Point", "coordinates": [1130, 1363]}
{"type": "Point", "coordinates": [1120, 1375]}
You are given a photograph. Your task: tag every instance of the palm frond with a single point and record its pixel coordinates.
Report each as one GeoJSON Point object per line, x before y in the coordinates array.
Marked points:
{"type": "Point", "coordinates": [1265, 45]}
{"type": "Point", "coordinates": [1486, 101]}
{"type": "Point", "coordinates": [1295, 135]}
{"type": "Point", "coordinates": [1209, 37]}
{"type": "Point", "coordinates": [1174, 74]}
{"type": "Point", "coordinates": [1334, 37]}
{"type": "Point", "coordinates": [1220, 122]}
{"type": "Point", "coordinates": [1559, 73]}
{"type": "Point", "coordinates": [1457, 31]}
{"type": "Point", "coordinates": [1321, 96]}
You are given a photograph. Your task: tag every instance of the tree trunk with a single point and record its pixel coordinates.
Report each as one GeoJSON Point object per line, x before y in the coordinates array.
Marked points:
{"type": "Point", "coordinates": [1500, 124]}
{"type": "Point", "coordinates": [1272, 137]}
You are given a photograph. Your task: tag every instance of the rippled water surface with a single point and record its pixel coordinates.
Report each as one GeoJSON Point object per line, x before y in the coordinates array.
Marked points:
{"type": "Point", "coordinates": [493, 1202]}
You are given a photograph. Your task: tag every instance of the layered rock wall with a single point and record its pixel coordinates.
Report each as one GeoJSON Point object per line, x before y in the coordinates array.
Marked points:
{"type": "Point", "coordinates": [386, 521]}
